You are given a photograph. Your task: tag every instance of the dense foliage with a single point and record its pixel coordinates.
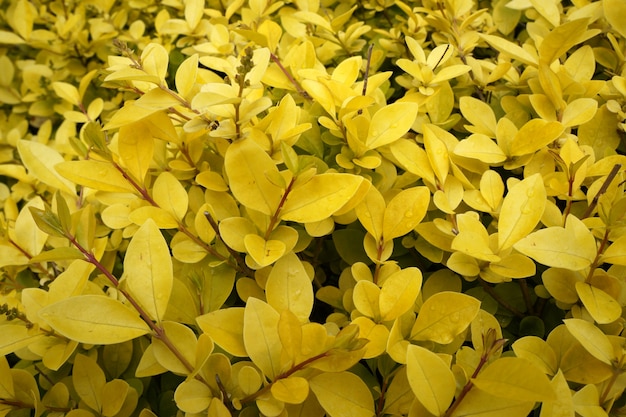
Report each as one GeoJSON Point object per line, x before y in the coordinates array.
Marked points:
{"type": "Point", "coordinates": [312, 207]}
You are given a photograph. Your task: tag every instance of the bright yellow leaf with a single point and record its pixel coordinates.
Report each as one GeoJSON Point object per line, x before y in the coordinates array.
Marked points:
{"type": "Point", "coordinates": [431, 379]}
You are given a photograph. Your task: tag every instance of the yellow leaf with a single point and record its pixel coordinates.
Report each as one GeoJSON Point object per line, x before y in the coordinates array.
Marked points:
{"type": "Point", "coordinates": [6, 381]}
{"type": "Point", "coordinates": [67, 92]}
{"type": "Point", "coordinates": [16, 337]}
{"type": "Point", "coordinates": [510, 49]}
{"type": "Point", "coordinates": [514, 265]}
{"type": "Point", "coordinates": [371, 211]}
{"type": "Point", "coordinates": [472, 238]}
{"type": "Point", "coordinates": [615, 14]}
{"type": "Point", "coordinates": [479, 114]}
{"type": "Point", "coordinates": [26, 234]}
{"type": "Point", "coordinates": [562, 38]}
{"type": "Point", "coordinates": [248, 167]}
{"type": "Point", "coordinates": [366, 297]}
{"type": "Point", "coordinates": [320, 197]}
{"type": "Point", "coordinates": [600, 133]}
{"type": "Point", "coordinates": [155, 60]}
{"type": "Point", "coordinates": [94, 319]}
{"type": "Point", "coordinates": [162, 218]}
{"type": "Point", "coordinates": [603, 308]}
{"type": "Point", "coordinates": [136, 147]}
{"type": "Point", "coordinates": [478, 403]}
{"type": "Point", "coordinates": [390, 123]}
{"type": "Point", "coordinates": [399, 292]}
{"type": "Point", "coordinates": [290, 333]}
{"type": "Point", "coordinates": [292, 390]}
{"type": "Point", "coordinates": [192, 396]}
{"type": "Point", "coordinates": [481, 147]}
{"type": "Point", "coordinates": [592, 339]}
{"type": "Point", "coordinates": [88, 381]}
{"type": "Point", "coordinates": [413, 158]}
{"type": "Point", "coordinates": [288, 287]}
{"type": "Point", "coordinates": [616, 252]}
{"type": "Point", "coordinates": [41, 160]}
{"type": "Point", "coordinates": [579, 111]}
{"type": "Point", "coordinates": [10, 38]}
{"type": "Point", "coordinates": [102, 176]}
{"type": "Point", "coordinates": [537, 351]}
{"type": "Point", "coordinates": [521, 210]}
{"type": "Point", "coordinates": [114, 394]}
{"type": "Point", "coordinates": [444, 316]}
{"type": "Point", "coordinates": [148, 271]}
{"type": "Point", "coordinates": [437, 151]}
{"type": "Point", "coordinates": [170, 195]}
{"type": "Point", "coordinates": [430, 378]}
{"type": "Point", "coordinates": [184, 341]}
{"type": "Point", "coordinates": [343, 394]}
{"type": "Point", "coordinates": [576, 249]}
{"type": "Point", "coordinates": [563, 405]}
{"type": "Point", "coordinates": [515, 379]}
{"type": "Point", "coordinates": [264, 252]}
{"type": "Point", "coordinates": [404, 212]}
{"type": "Point", "coordinates": [534, 135]}
{"type": "Point", "coordinates": [377, 336]}
{"type": "Point", "coordinates": [260, 336]}
{"type": "Point", "coordinates": [561, 284]}
{"type": "Point", "coordinates": [225, 328]}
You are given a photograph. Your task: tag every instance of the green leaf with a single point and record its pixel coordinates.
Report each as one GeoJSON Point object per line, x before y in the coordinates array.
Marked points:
{"type": "Point", "coordinates": [288, 287]}
{"type": "Point", "coordinates": [320, 197]}
{"type": "Point", "coordinates": [88, 381]}
{"type": "Point", "coordinates": [148, 271]}
{"type": "Point", "coordinates": [248, 166]}
{"type": "Point", "coordinates": [592, 339]}
{"type": "Point", "coordinates": [94, 319]}
{"type": "Point", "coordinates": [343, 394]}
{"type": "Point", "coordinates": [521, 210]}
{"type": "Point", "coordinates": [603, 308]}
{"type": "Point", "coordinates": [260, 336]}
{"type": "Point", "coordinates": [576, 249]}
{"type": "Point", "coordinates": [430, 378]}
{"type": "Point", "coordinates": [444, 316]}
{"type": "Point", "coordinates": [390, 123]}
{"type": "Point", "coordinates": [515, 379]}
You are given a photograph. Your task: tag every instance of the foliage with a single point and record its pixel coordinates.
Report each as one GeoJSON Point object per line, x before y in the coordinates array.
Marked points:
{"type": "Point", "coordinates": [308, 208]}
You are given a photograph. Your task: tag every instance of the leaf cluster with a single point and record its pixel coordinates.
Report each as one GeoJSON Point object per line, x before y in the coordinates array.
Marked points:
{"type": "Point", "coordinates": [312, 207]}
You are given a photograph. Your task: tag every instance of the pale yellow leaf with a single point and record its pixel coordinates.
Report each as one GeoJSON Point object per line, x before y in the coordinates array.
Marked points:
{"type": "Point", "coordinates": [343, 394]}
{"type": "Point", "coordinates": [94, 319]}
{"type": "Point", "coordinates": [430, 378]}
{"type": "Point", "coordinates": [288, 287]}
{"type": "Point", "coordinates": [41, 160]}
{"type": "Point", "coordinates": [260, 336]}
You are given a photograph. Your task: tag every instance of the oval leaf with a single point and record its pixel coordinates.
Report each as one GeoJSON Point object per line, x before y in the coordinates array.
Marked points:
{"type": "Point", "coordinates": [94, 319]}
{"type": "Point", "coordinates": [430, 378]}
{"type": "Point", "coordinates": [343, 394]}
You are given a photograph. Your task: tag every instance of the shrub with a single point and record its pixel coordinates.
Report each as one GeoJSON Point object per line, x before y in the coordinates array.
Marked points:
{"type": "Point", "coordinates": [350, 208]}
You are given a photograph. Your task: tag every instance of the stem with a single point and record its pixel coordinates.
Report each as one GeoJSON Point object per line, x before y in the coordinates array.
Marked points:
{"type": "Point", "coordinates": [596, 260]}
{"type": "Point", "coordinates": [526, 294]}
{"type": "Point", "coordinates": [275, 218]}
{"type": "Point", "coordinates": [602, 190]}
{"type": "Point", "coordinates": [284, 375]}
{"type": "Point", "coordinates": [158, 331]}
{"type": "Point", "coordinates": [570, 197]}
{"type": "Point", "coordinates": [489, 290]}
{"type": "Point", "coordinates": [241, 263]}
{"type": "Point", "coordinates": [293, 81]}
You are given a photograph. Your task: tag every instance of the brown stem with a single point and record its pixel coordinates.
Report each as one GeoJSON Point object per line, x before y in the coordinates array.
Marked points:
{"type": "Point", "coordinates": [526, 294]}
{"type": "Point", "coordinates": [596, 260]}
{"type": "Point", "coordinates": [241, 263]}
{"type": "Point", "coordinates": [602, 190]}
{"type": "Point", "coordinates": [284, 375]}
{"type": "Point", "coordinates": [276, 217]}
{"type": "Point", "coordinates": [293, 81]}
{"type": "Point", "coordinates": [489, 290]}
